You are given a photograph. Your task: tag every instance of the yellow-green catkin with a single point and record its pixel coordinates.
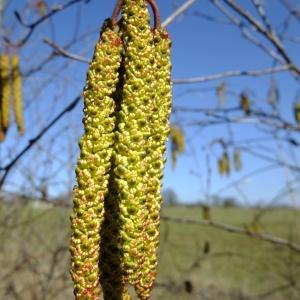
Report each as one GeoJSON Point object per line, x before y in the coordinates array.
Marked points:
{"type": "Point", "coordinates": [17, 93]}
{"type": "Point", "coordinates": [297, 111]}
{"type": "Point", "coordinates": [2, 133]}
{"type": "Point", "coordinates": [245, 103]}
{"type": "Point", "coordinates": [94, 164]}
{"type": "Point", "coordinates": [156, 144]}
{"type": "Point", "coordinates": [5, 90]}
{"type": "Point", "coordinates": [177, 143]}
{"type": "Point", "coordinates": [133, 132]}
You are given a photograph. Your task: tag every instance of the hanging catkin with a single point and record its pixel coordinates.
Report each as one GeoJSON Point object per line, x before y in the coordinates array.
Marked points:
{"type": "Point", "coordinates": [17, 93]}
{"type": "Point", "coordinates": [132, 134]}
{"type": "Point", "coordinates": [94, 164]}
{"type": "Point", "coordinates": [5, 90]}
{"type": "Point", "coordinates": [156, 145]}
{"type": "Point", "coordinates": [2, 132]}
{"type": "Point", "coordinates": [115, 221]}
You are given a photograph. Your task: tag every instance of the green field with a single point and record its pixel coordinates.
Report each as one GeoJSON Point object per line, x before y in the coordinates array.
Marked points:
{"type": "Point", "coordinates": [195, 261]}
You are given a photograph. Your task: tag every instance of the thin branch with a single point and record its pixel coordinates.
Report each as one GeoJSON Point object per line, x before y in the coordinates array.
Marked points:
{"type": "Point", "coordinates": [234, 73]}
{"type": "Point", "coordinates": [234, 229]}
{"type": "Point", "coordinates": [270, 35]}
{"type": "Point", "coordinates": [246, 33]}
{"type": "Point", "coordinates": [60, 51]}
{"type": "Point", "coordinates": [31, 27]}
{"type": "Point", "coordinates": [177, 13]}
{"type": "Point", "coordinates": [34, 140]}
{"type": "Point", "coordinates": [261, 11]}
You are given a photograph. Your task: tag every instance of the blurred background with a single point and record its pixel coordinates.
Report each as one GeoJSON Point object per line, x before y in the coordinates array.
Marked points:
{"type": "Point", "coordinates": [230, 226]}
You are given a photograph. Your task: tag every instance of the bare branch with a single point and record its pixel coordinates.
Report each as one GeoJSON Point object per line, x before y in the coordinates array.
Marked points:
{"type": "Point", "coordinates": [31, 27]}
{"type": "Point", "coordinates": [234, 229]}
{"type": "Point", "coordinates": [269, 34]}
{"type": "Point", "coordinates": [177, 13]}
{"type": "Point", "coordinates": [34, 140]}
{"type": "Point", "coordinates": [233, 73]}
{"type": "Point", "coordinates": [60, 51]}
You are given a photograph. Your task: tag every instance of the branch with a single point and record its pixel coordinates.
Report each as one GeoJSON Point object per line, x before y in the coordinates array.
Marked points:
{"type": "Point", "coordinates": [31, 27]}
{"type": "Point", "coordinates": [246, 33]}
{"type": "Point", "coordinates": [60, 51]}
{"type": "Point", "coordinates": [177, 13]}
{"type": "Point", "coordinates": [269, 34]}
{"type": "Point", "coordinates": [233, 229]}
{"type": "Point", "coordinates": [34, 140]}
{"type": "Point", "coordinates": [234, 73]}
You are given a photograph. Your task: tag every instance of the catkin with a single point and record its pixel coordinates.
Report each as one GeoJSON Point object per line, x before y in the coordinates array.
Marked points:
{"type": "Point", "coordinates": [245, 103]}
{"type": "Point", "coordinates": [5, 90]}
{"type": "Point", "coordinates": [17, 93]}
{"type": "Point", "coordinates": [115, 220]}
{"type": "Point", "coordinates": [2, 132]}
{"type": "Point", "coordinates": [133, 132]}
{"type": "Point", "coordinates": [94, 164]}
{"type": "Point", "coordinates": [177, 143]}
{"type": "Point", "coordinates": [297, 111]}
{"type": "Point", "coordinates": [156, 145]}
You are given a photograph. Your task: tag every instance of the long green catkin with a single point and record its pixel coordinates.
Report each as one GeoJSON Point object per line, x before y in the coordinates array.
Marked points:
{"type": "Point", "coordinates": [156, 144]}
{"type": "Point", "coordinates": [17, 93]}
{"type": "Point", "coordinates": [132, 134]}
{"type": "Point", "coordinates": [94, 164]}
{"type": "Point", "coordinates": [2, 132]}
{"type": "Point", "coordinates": [5, 90]}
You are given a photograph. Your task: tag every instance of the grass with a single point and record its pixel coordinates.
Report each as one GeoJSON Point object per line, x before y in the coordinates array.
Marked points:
{"type": "Point", "coordinates": [195, 262]}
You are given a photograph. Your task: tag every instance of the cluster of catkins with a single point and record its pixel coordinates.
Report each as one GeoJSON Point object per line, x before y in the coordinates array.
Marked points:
{"type": "Point", "coordinates": [10, 88]}
{"type": "Point", "coordinates": [117, 200]}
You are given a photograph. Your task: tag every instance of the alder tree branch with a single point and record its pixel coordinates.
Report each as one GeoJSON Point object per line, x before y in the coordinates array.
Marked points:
{"type": "Point", "coordinates": [233, 73]}
{"type": "Point", "coordinates": [7, 168]}
{"type": "Point", "coordinates": [238, 230]}
{"type": "Point", "coordinates": [32, 26]}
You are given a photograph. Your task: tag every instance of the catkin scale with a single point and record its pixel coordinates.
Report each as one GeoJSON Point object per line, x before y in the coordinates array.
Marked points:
{"type": "Point", "coordinates": [17, 93]}
{"type": "Point", "coordinates": [5, 90]}
{"type": "Point", "coordinates": [94, 165]}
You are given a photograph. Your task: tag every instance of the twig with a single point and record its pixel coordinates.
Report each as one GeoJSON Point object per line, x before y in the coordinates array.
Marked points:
{"type": "Point", "coordinates": [261, 11]}
{"type": "Point", "coordinates": [155, 13]}
{"type": "Point", "coordinates": [233, 229]}
{"type": "Point", "coordinates": [246, 32]}
{"type": "Point", "coordinates": [34, 140]}
{"type": "Point", "coordinates": [177, 13]}
{"type": "Point", "coordinates": [233, 73]}
{"type": "Point", "coordinates": [60, 51]}
{"type": "Point", "coordinates": [270, 35]}
{"type": "Point", "coordinates": [31, 27]}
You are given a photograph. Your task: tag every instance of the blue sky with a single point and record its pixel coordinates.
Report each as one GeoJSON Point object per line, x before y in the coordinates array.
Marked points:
{"type": "Point", "coordinates": [200, 48]}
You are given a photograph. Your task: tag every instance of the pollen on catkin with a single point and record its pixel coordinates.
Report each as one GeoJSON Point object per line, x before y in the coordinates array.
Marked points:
{"type": "Point", "coordinates": [17, 93]}
{"type": "Point", "coordinates": [94, 164]}
{"type": "Point", "coordinates": [5, 90]}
